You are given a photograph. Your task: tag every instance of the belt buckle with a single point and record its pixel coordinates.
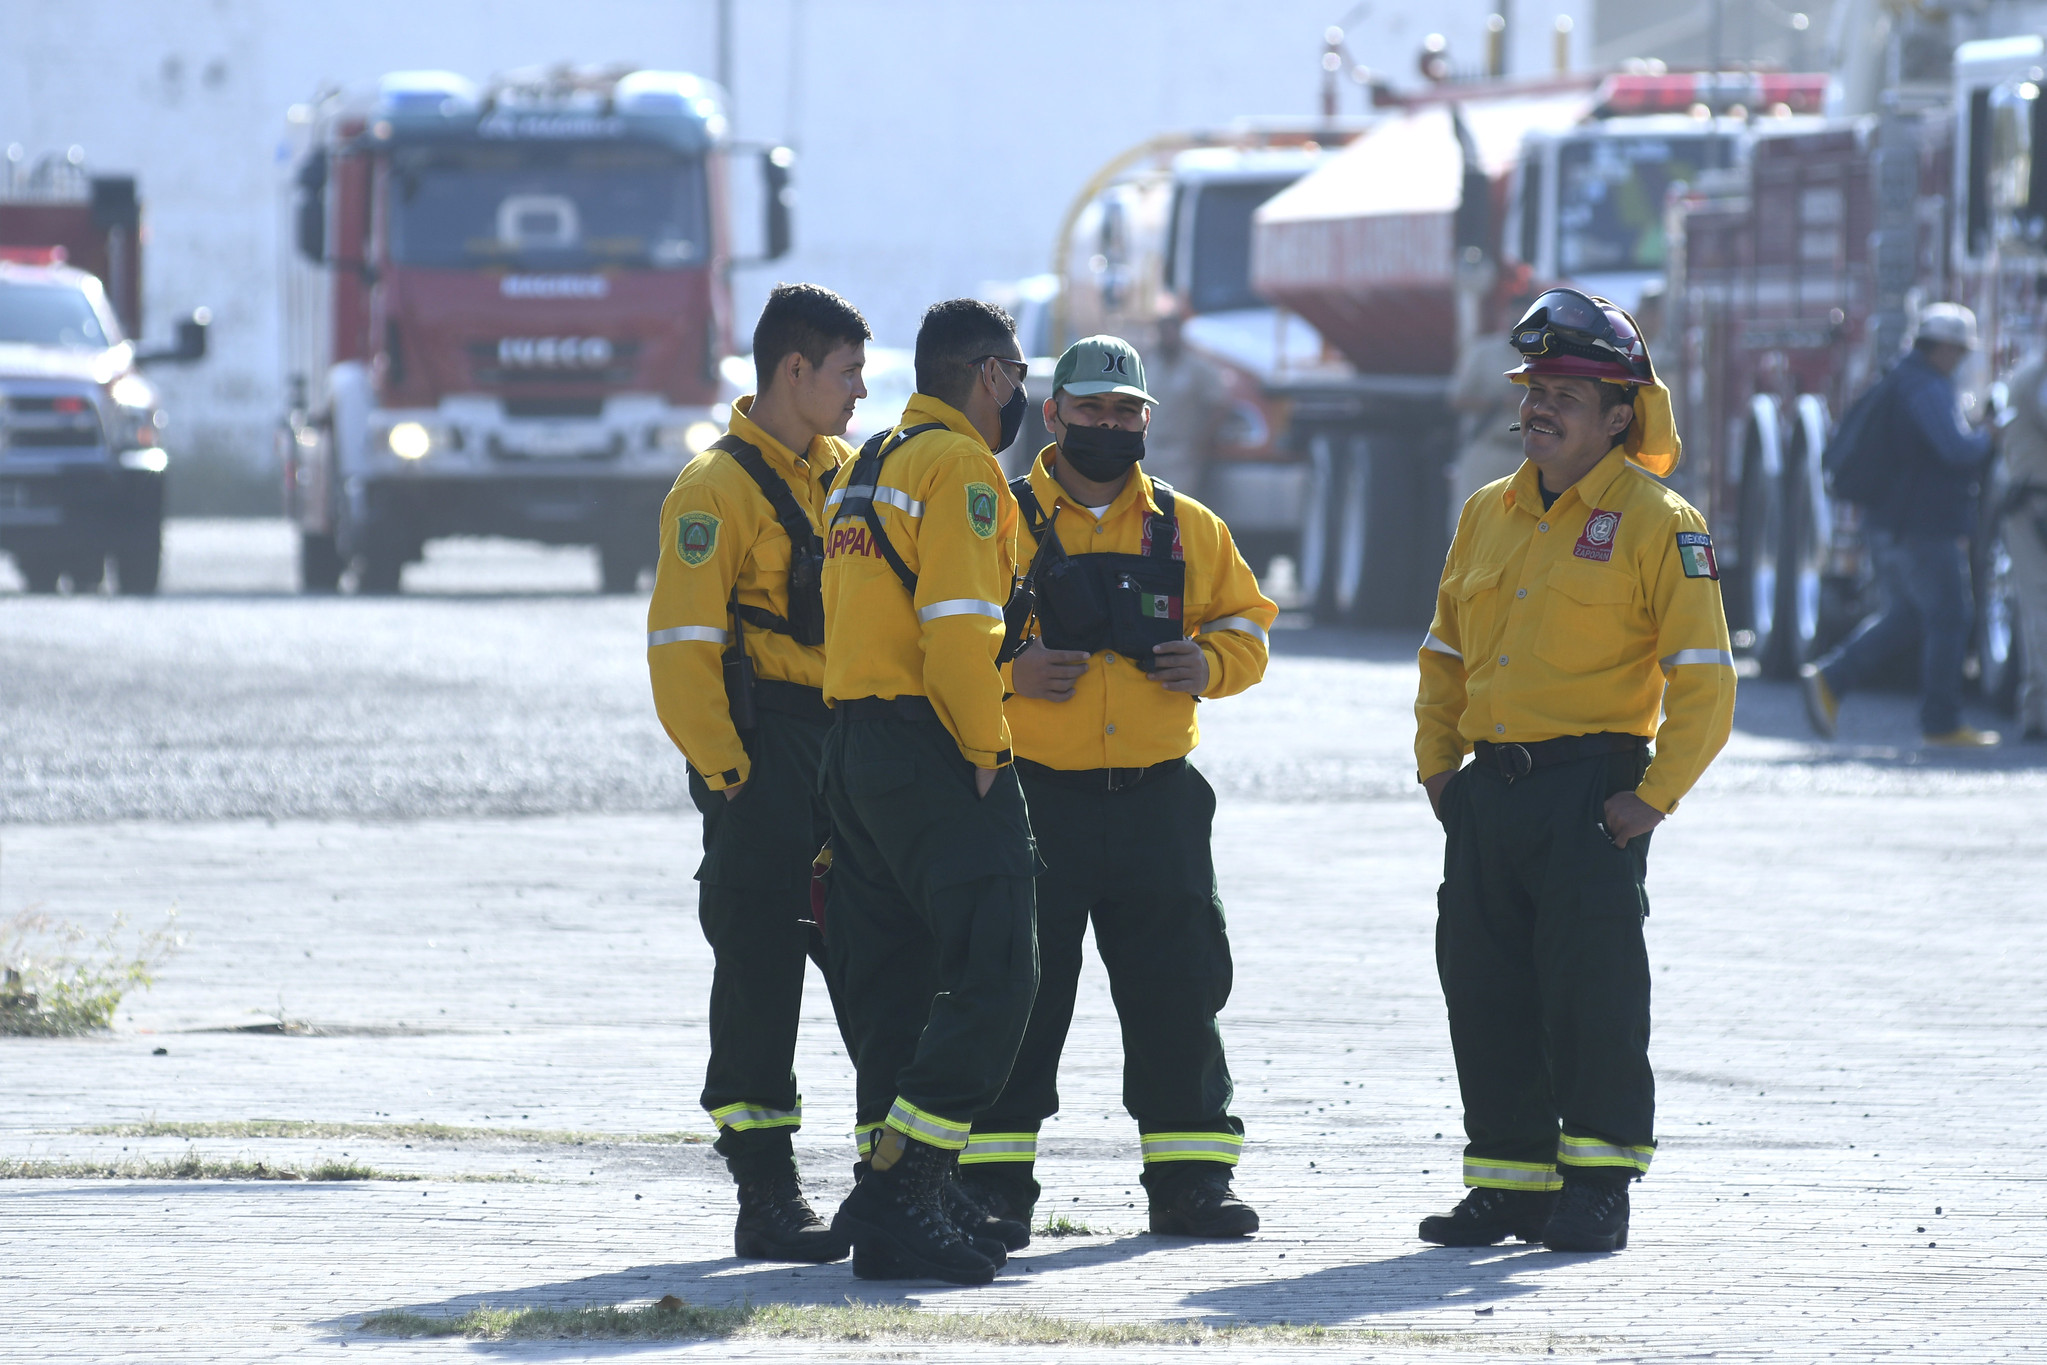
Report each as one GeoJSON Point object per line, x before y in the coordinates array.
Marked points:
{"type": "Point", "coordinates": [1515, 761]}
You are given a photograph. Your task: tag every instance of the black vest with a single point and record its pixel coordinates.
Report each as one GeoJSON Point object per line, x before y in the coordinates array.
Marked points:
{"type": "Point", "coordinates": [1093, 602]}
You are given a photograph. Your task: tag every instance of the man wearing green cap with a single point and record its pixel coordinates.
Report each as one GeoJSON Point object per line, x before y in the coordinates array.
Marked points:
{"type": "Point", "coordinates": [1143, 606]}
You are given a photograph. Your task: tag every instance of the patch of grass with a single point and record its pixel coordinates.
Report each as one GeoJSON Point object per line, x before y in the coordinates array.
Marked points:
{"type": "Point", "coordinates": [1059, 1225]}
{"type": "Point", "coordinates": [192, 1166]}
{"type": "Point", "coordinates": [60, 981]}
{"type": "Point", "coordinates": [424, 1132]}
{"type": "Point", "coordinates": [672, 1318]}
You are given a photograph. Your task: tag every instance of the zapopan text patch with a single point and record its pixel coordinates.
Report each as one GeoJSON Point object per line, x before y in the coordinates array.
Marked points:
{"type": "Point", "coordinates": [1596, 540]}
{"type": "Point", "coordinates": [981, 509]}
{"type": "Point", "coordinates": [850, 540]}
{"type": "Point", "coordinates": [1695, 552]}
{"type": "Point", "coordinates": [696, 536]}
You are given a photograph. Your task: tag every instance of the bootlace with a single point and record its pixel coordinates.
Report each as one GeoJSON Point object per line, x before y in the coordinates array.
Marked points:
{"type": "Point", "coordinates": [779, 1199]}
{"type": "Point", "coordinates": [1597, 1199]}
{"type": "Point", "coordinates": [1481, 1203]}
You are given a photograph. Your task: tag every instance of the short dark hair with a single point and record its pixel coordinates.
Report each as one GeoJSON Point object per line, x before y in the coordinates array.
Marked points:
{"type": "Point", "coordinates": [952, 336]}
{"type": "Point", "coordinates": [808, 319]}
{"type": "Point", "coordinates": [1612, 396]}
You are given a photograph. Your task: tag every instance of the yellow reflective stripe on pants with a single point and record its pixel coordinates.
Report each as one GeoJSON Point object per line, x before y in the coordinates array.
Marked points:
{"type": "Point", "coordinates": [1577, 1151]}
{"type": "Point", "coordinates": [1224, 1147]}
{"type": "Point", "coordinates": [912, 1122]}
{"type": "Point", "coordinates": [747, 1116]}
{"type": "Point", "coordinates": [986, 1147]}
{"type": "Point", "coordinates": [1490, 1174]}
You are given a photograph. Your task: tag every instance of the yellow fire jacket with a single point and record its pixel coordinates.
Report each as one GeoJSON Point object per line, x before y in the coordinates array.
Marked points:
{"type": "Point", "coordinates": [949, 514]}
{"type": "Point", "coordinates": [1589, 617]}
{"type": "Point", "coordinates": [1118, 717]}
{"type": "Point", "coordinates": [717, 530]}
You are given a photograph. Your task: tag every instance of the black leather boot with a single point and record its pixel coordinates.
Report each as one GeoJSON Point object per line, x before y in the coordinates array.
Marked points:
{"type": "Point", "coordinates": [970, 1210]}
{"type": "Point", "coordinates": [1194, 1199]}
{"type": "Point", "coordinates": [898, 1225]}
{"type": "Point", "coordinates": [776, 1223]}
{"type": "Point", "coordinates": [1487, 1216]}
{"type": "Point", "coordinates": [1591, 1215]}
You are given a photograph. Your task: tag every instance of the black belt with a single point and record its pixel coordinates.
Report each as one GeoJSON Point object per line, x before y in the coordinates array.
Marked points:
{"type": "Point", "coordinates": [885, 708]}
{"type": "Point", "coordinates": [792, 699]}
{"type": "Point", "coordinates": [1097, 779]}
{"type": "Point", "coordinates": [1513, 761]}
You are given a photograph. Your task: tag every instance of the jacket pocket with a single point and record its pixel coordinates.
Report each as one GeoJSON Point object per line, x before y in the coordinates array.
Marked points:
{"type": "Point", "coordinates": [1585, 626]}
{"type": "Point", "coordinates": [1476, 594]}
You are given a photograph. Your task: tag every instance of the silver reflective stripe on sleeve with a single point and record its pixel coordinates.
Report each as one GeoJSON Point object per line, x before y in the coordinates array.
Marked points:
{"type": "Point", "coordinates": [710, 635]}
{"type": "Point", "coordinates": [1699, 656]}
{"type": "Point", "coordinates": [1243, 623]}
{"type": "Point", "coordinates": [1433, 643]}
{"type": "Point", "coordinates": [893, 497]}
{"type": "Point", "coordinates": [959, 606]}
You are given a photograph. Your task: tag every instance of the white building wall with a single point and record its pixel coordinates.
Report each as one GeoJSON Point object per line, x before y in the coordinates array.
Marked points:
{"type": "Point", "coordinates": [941, 142]}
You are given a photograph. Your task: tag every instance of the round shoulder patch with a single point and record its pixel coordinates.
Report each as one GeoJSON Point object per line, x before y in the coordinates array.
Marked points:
{"type": "Point", "coordinates": [981, 509]}
{"type": "Point", "coordinates": [696, 537]}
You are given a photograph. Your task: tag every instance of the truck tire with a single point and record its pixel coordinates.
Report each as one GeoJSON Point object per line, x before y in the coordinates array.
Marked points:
{"type": "Point", "coordinates": [320, 563]}
{"type": "Point", "coordinates": [88, 572]}
{"type": "Point", "coordinates": [2000, 648]}
{"type": "Point", "coordinates": [618, 567]}
{"type": "Point", "coordinates": [39, 572]}
{"type": "Point", "coordinates": [1759, 541]}
{"type": "Point", "coordinates": [379, 572]}
{"type": "Point", "coordinates": [1314, 571]}
{"type": "Point", "coordinates": [1807, 533]}
{"type": "Point", "coordinates": [1351, 537]}
{"type": "Point", "coordinates": [138, 560]}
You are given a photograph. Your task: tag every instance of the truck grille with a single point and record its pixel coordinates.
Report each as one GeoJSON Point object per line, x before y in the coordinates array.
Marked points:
{"type": "Point", "coordinates": [42, 423]}
{"type": "Point", "coordinates": [489, 362]}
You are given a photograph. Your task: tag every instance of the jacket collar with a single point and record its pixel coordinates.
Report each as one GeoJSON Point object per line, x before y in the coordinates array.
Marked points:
{"type": "Point", "coordinates": [924, 408]}
{"type": "Point", "coordinates": [1525, 488]}
{"type": "Point", "coordinates": [778, 455]}
{"type": "Point", "coordinates": [1050, 492]}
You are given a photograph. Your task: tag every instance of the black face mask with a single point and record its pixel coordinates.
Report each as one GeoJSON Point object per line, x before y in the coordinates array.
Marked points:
{"type": "Point", "coordinates": [1012, 414]}
{"type": "Point", "coordinates": [1101, 454]}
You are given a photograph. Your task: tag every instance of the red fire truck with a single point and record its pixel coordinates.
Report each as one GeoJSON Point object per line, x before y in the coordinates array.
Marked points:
{"type": "Point", "coordinates": [507, 313]}
{"type": "Point", "coordinates": [81, 456]}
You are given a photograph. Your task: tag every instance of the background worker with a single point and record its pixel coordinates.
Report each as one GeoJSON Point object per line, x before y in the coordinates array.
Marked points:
{"type": "Point", "coordinates": [1578, 599]}
{"type": "Point", "coordinates": [2024, 442]}
{"type": "Point", "coordinates": [1919, 533]}
{"type": "Point", "coordinates": [737, 592]}
{"type": "Point", "coordinates": [930, 907]}
{"type": "Point", "coordinates": [1103, 720]}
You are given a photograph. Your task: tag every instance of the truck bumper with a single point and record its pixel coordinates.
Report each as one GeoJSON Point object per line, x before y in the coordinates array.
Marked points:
{"type": "Point", "coordinates": [552, 509]}
{"type": "Point", "coordinates": [75, 506]}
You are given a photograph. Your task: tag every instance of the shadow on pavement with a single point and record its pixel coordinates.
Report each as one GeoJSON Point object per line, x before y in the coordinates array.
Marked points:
{"type": "Point", "coordinates": [1877, 728]}
{"type": "Point", "coordinates": [1418, 1281]}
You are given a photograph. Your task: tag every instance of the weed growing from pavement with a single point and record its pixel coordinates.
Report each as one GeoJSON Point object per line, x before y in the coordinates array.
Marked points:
{"type": "Point", "coordinates": [671, 1318]}
{"type": "Point", "coordinates": [61, 980]}
{"type": "Point", "coordinates": [192, 1166]}
{"type": "Point", "coordinates": [1059, 1225]}
{"type": "Point", "coordinates": [425, 1132]}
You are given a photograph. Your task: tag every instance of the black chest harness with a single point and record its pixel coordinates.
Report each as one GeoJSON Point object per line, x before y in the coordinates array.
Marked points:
{"type": "Point", "coordinates": [805, 622]}
{"type": "Point", "coordinates": [1093, 602]}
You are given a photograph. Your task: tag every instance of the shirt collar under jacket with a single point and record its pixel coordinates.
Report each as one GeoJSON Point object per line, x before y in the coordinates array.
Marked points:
{"type": "Point", "coordinates": [1050, 492]}
{"type": "Point", "coordinates": [1524, 490]}
{"type": "Point", "coordinates": [924, 408]}
{"type": "Point", "coordinates": [778, 455]}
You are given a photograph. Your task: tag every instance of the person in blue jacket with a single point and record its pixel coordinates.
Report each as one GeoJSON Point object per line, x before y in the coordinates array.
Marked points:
{"type": "Point", "coordinates": [1919, 534]}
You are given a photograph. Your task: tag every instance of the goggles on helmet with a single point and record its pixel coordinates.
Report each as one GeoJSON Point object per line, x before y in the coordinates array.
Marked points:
{"type": "Point", "coordinates": [1564, 322]}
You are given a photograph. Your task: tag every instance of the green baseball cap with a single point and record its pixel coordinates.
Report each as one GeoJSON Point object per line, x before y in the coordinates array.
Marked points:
{"type": "Point", "coordinates": [1100, 364]}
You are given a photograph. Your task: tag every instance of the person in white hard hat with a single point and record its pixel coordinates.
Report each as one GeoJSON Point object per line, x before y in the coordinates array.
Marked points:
{"type": "Point", "coordinates": [1919, 531]}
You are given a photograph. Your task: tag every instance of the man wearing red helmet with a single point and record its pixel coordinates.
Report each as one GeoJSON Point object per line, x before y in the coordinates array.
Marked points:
{"type": "Point", "coordinates": [1578, 604]}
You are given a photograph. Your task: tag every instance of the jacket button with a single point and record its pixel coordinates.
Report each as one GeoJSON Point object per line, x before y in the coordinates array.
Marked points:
{"type": "Point", "coordinates": [1521, 592]}
{"type": "Point", "coordinates": [1499, 729]}
{"type": "Point", "coordinates": [1112, 729]}
{"type": "Point", "coordinates": [1109, 658]}
{"type": "Point", "coordinates": [1098, 530]}
{"type": "Point", "coordinates": [1503, 661]}
{"type": "Point", "coordinates": [1542, 526]}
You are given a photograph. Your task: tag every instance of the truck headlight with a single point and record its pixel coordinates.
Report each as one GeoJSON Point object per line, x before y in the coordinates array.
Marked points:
{"type": "Point", "coordinates": [693, 438]}
{"type": "Point", "coordinates": [409, 441]}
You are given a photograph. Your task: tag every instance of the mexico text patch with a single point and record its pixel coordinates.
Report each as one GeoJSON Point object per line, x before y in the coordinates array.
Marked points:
{"type": "Point", "coordinates": [1596, 540]}
{"type": "Point", "coordinates": [1695, 552]}
{"type": "Point", "coordinates": [696, 535]}
{"type": "Point", "coordinates": [981, 509]}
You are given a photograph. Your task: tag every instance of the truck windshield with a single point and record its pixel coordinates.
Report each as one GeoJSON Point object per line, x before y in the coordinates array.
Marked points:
{"type": "Point", "coordinates": [1610, 197]}
{"type": "Point", "coordinates": [547, 206]}
{"type": "Point", "coordinates": [1220, 277]}
{"type": "Point", "coordinates": [50, 315]}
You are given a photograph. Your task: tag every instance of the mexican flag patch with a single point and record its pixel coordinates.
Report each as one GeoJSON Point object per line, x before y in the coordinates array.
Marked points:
{"type": "Point", "coordinates": [1158, 606]}
{"type": "Point", "coordinates": [1695, 552]}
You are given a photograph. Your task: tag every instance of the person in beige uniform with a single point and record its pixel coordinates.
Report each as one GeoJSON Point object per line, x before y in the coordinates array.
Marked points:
{"type": "Point", "coordinates": [2025, 534]}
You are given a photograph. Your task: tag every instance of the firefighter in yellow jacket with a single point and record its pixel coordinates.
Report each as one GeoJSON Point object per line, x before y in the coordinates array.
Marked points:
{"type": "Point", "coordinates": [735, 639]}
{"type": "Point", "coordinates": [1579, 602]}
{"type": "Point", "coordinates": [929, 918]}
{"type": "Point", "coordinates": [1143, 607]}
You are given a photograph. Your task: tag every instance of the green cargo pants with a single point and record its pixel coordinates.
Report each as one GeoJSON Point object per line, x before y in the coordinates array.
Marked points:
{"type": "Point", "coordinates": [929, 924]}
{"type": "Point", "coordinates": [754, 904]}
{"type": "Point", "coordinates": [1137, 863]}
{"type": "Point", "coordinates": [1539, 947]}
